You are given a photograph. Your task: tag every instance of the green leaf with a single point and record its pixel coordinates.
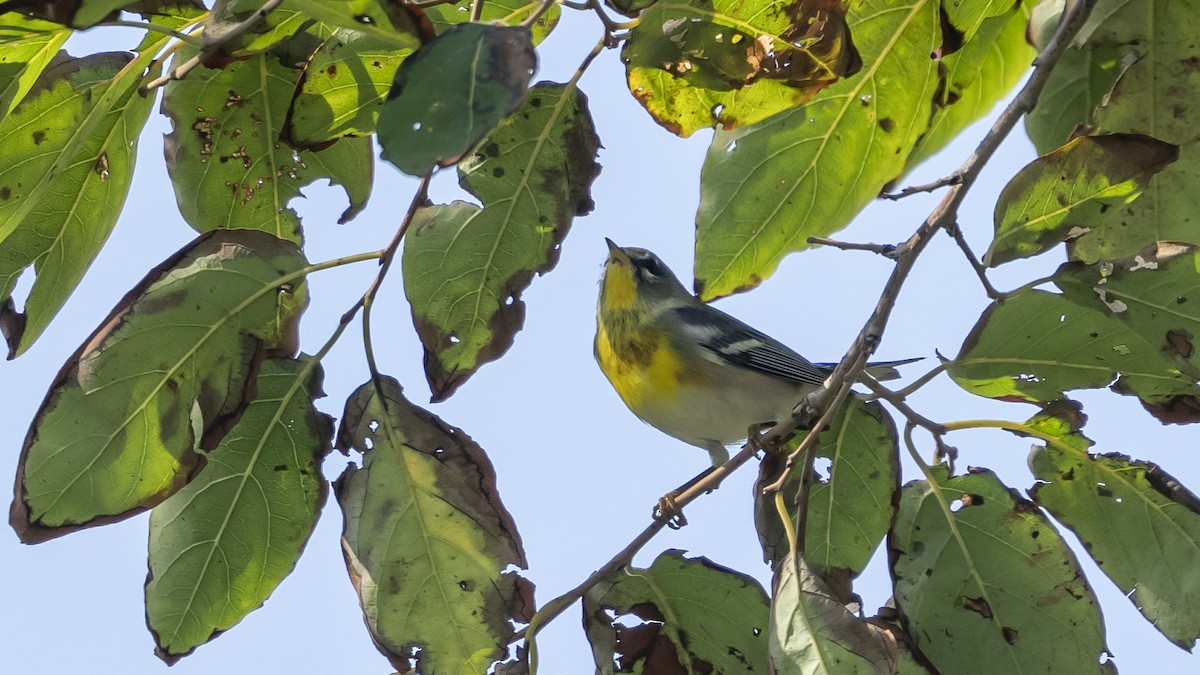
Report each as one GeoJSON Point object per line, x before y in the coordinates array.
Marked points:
{"type": "Point", "coordinates": [225, 157]}
{"type": "Point", "coordinates": [453, 92]}
{"type": "Point", "coordinates": [277, 26]}
{"type": "Point", "coordinates": [159, 382]}
{"type": "Point", "coordinates": [465, 267]}
{"type": "Point", "coordinates": [968, 16]}
{"type": "Point", "coordinates": [851, 506]}
{"type": "Point", "coordinates": [75, 13]}
{"type": "Point", "coordinates": [426, 538]}
{"type": "Point", "coordinates": [982, 577]}
{"type": "Point", "coordinates": [26, 47]}
{"type": "Point", "coordinates": [976, 77]}
{"type": "Point", "coordinates": [68, 162]}
{"type": "Point", "coordinates": [389, 20]}
{"type": "Point", "coordinates": [220, 546]}
{"type": "Point", "coordinates": [1065, 193]}
{"type": "Point", "coordinates": [1076, 86]}
{"type": "Point", "coordinates": [507, 12]}
{"type": "Point", "coordinates": [1155, 293]}
{"type": "Point", "coordinates": [692, 615]}
{"type": "Point", "coordinates": [1157, 43]}
{"type": "Point", "coordinates": [342, 88]}
{"type": "Point", "coordinates": [695, 64]}
{"type": "Point", "coordinates": [1141, 526]}
{"type": "Point", "coordinates": [1037, 346]}
{"type": "Point", "coordinates": [766, 189]}
{"type": "Point", "coordinates": [812, 632]}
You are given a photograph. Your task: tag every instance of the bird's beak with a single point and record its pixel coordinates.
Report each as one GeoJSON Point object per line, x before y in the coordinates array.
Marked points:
{"type": "Point", "coordinates": [615, 254]}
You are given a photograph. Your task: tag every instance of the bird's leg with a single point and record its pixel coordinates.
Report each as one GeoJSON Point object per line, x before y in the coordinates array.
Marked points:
{"type": "Point", "coordinates": [668, 509]}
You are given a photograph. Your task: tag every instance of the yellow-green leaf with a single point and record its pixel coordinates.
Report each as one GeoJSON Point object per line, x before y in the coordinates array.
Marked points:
{"type": "Point", "coordinates": [26, 47]}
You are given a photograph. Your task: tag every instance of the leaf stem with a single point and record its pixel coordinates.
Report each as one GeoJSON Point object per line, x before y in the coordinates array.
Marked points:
{"type": "Point", "coordinates": [537, 14]}
{"type": "Point", "coordinates": [155, 28]}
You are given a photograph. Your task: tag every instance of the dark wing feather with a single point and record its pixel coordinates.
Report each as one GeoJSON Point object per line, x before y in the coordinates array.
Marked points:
{"type": "Point", "coordinates": [738, 344]}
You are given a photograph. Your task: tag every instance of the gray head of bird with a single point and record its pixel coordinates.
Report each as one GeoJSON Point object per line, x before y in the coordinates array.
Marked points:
{"type": "Point", "coordinates": [636, 278]}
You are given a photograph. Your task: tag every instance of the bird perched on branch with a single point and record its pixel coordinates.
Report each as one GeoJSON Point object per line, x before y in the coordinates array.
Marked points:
{"type": "Point", "coordinates": [689, 369]}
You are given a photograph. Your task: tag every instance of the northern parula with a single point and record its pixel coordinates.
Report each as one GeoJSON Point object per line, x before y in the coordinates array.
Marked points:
{"type": "Point", "coordinates": [689, 369]}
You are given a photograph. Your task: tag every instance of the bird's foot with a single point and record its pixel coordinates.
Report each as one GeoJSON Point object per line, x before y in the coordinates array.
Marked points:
{"type": "Point", "coordinates": [670, 512]}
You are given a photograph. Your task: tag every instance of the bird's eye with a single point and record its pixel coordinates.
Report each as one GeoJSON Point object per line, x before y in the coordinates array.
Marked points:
{"type": "Point", "coordinates": [651, 267]}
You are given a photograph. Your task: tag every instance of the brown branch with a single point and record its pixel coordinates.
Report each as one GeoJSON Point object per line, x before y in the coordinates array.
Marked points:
{"type": "Point", "coordinates": [881, 249]}
{"type": "Point", "coordinates": [952, 179]}
{"type": "Point", "coordinates": [210, 48]}
{"type": "Point", "coordinates": [980, 271]}
{"type": "Point", "coordinates": [850, 367]}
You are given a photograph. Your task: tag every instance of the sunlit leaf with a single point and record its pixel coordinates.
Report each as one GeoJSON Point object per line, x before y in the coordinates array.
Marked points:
{"type": "Point", "coordinates": [982, 577]}
{"type": "Point", "coordinates": [977, 76]}
{"type": "Point", "coordinates": [342, 88]}
{"type": "Point", "coordinates": [690, 614]}
{"type": "Point", "coordinates": [765, 189]}
{"type": "Point", "coordinates": [453, 92]}
{"type": "Point", "coordinates": [1037, 346]}
{"type": "Point", "coordinates": [1141, 526]}
{"type": "Point", "coordinates": [1079, 80]}
{"type": "Point", "coordinates": [852, 505]}
{"type": "Point", "coordinates": [74, 13]}
{"type": "Point", "coordinates": [225, 157]}
{"type": "Point", "coordinates": [507, 12]}
{"type": "Point", "coordinates": [389, 20]}
{"type": "Point", "coordinates": [426, 538]}
{"type": "Point", "coordinates": [694, 64]}
{"type": "Point", "coordinates": [69, 151]}
{"type": "Point", "coordinates": [1065, 193]}
{"type": "Point", "coordinates": [1155, 293]}
{"type": "Point", "coordinates": [1157, 45]}
{"type": "Point", "coordinates": [220, 546]}
{"type": "Point", "coordinates": [812, 632]}
{"type": "Point", "coordinates": [26, 47]}
{"type": "Point", "coordinates": [465, 267]}
{"type": "Point", "coordinates": [969, 16]}
{"type": "Point", "coordinates": [160, 381]}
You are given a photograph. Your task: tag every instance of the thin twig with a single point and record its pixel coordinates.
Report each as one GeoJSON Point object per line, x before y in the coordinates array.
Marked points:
{"type": "Point", "coordinates": [385, 263]}
{"type": "Point", "coordinates": [609, 25]}
{"type": "Point", "coordinates": [581, 6]}
{"type": "Point", "coordinates": [537, 14]}
{"type": "Point", "coordinates": [1026, 287]}
{"type": "Point", "coordinates": [476, 10]}
{"type": "Point", "coordinates": [210, 48]}
{"type": "Point", "coordinates": [422, 4]}
{"type": "Point", "coordinates": [881, 249]}
{"type": "Point", "coordinates": [952, 179]}
{"type": "Point", "coordinates": [155, 28]}
{"type": "Point", "coordinates": [980, 271]}
{"type": "Point", "coordinates": [923, 380]}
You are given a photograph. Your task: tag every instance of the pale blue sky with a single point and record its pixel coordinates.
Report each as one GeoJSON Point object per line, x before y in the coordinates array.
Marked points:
{"type": "Point", "coordinates": [578, 472]}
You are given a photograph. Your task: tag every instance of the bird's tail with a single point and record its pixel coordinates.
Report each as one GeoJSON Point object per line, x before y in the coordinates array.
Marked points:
{"type": "Point", "coordinates": [880, 370]}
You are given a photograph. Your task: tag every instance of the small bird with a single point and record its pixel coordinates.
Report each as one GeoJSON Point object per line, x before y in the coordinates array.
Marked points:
{"type": "Point", "coordinates": [689, 369]}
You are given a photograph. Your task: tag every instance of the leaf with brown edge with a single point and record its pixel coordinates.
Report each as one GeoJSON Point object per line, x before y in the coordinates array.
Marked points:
{"type": "Point", "coordinates": [465, 267]}
{"type": "Point", "coordinates": [690, 615]}
{"type": "Point", "coordinates": [129, 416]}
{"type": "Point", "coordinates": [426, 538]}
{"type": "Point", "coordinates": [695, 64]}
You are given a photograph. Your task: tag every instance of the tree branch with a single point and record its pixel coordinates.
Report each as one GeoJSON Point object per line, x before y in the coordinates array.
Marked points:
{"type": "Point", "coordinates": [980, 271]}
{"type": "Point", "coordinates": [210, 48]}
{"type": "Point", "coordinates": [952, 179]}
{"type": "Point", "coordinates": [881, 249]}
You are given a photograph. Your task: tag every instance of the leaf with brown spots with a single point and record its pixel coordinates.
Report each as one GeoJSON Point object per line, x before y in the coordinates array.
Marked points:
{"type": "Point", "coordinates": [69, 152]}
{"type": "Point", "coordinates": [161, 380]}
{"type": "Point", "coordinates": [426, 539]}
{"type": "Point", "coordinates": [227, 162]}
{"type": "Point", "coordinates": [973, 576]}
{"type": "Point", "coordinates": [690, 615]}
{"type": "Point", "coordinates": [465, 267]}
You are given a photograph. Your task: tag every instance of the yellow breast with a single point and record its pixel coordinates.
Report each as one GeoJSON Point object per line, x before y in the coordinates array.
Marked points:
{"type": "Point", "coordinates": [640, 370]}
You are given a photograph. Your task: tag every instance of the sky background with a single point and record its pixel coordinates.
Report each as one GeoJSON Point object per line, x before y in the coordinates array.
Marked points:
{"type": "Point", "coordinates": [578, 472]}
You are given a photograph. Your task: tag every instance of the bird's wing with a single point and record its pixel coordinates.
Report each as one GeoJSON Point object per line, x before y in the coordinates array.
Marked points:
{"type": "Point", "coordinates": [731, 341]}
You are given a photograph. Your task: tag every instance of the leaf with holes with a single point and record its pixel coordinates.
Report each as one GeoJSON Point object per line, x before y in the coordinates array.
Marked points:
{"type": "Point", "coordinates": [981, 576]}
{"type": "Point", "coordinates": [1155, 293]}
{"type": "Point", "coordinates": [1037, 346]}
{"type": "Point", "coordinates": [694, 64]}
{"type": "Point", "coordinates": [220, 546]}
{"type": "Point", "coordinates": [26, 47]}
{"type": "Point", "coordinates": [465, 267]}
{"type": "Point", "coordinates": [68, 162]}
{"type": "Point", "coordinates": [225, 157]}
{"type": "Point", "coordinates": [1063, 194]}
{"type": "Point", "coordinates": [765, 189]}
{"type": "Point", "coordinates": [691, 614]}
{"type": "Point", "coordinates": [1140, 525]}
{"type": "Point", "coordinates": [851, 507]}
{"type": "Point", "coordinates": [813, 633]}
{"type": "Point", "coordinates": [452, 92]}
{"type": "Point", "coordinates": [426, 538]}
{"type": "Point", "coordinates": [158, 383]}
{"type": "Point", "coordinates": [343, 86]}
